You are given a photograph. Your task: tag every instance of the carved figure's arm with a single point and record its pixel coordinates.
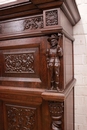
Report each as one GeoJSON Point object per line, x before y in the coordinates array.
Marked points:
{"type": "Point", "coordinates": [47, 58]}
{"type": "Point", "coordinates": [59, 51]}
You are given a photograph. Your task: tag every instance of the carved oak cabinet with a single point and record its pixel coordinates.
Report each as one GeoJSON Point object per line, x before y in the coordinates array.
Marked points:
{"type": "Point", "coordinates": [37, 65]}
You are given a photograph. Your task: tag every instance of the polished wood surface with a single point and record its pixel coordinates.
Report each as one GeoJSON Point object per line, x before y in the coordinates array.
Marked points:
{"type": "Point", "coordinates": [36, 65]}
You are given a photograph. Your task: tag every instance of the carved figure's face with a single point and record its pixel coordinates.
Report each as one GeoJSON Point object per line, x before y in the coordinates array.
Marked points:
{"type": "Point", "coordinates": [53, 42]}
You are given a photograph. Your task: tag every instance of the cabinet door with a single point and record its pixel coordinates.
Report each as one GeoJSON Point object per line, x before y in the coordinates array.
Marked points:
{"type": "Point", "coordinates": [21, 117]}
{"type": "Point", "coordinates": [23, 62]}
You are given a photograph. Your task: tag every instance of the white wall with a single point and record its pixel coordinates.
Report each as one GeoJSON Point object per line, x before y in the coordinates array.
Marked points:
{"type": "Point", "coordinates": [80, 61]}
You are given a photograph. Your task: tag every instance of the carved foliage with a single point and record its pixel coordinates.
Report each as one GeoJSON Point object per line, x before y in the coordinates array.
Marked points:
{"type": "Point", "coordinates": [33, 23]}
{"type": "Point", "coordinates": [56, 112]}
{"type": "Point", "coordinates": [51, 17]}
{"type": "Point", "coordinates": [19, 63]}
{"type": "Point", "coordinates": [20, 118]}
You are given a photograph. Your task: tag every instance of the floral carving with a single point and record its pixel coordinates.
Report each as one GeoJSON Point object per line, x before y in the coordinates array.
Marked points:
{"type": "Point", "coordinates": [19, 63]}
{"type": "Point", "coordinates": [51, 18]}
{"type": "Point", "coordinates": [33, 23]}
{"type": "Point", "coordinates": [53, 55]}
{"type": "Point", "coordinates": [56, 112]}
{"type": "Point", "coordinates": [20, 118]}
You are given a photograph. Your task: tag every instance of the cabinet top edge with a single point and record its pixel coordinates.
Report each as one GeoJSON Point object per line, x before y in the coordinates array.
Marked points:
{"type": "Point", "coordinates": [31, 7]}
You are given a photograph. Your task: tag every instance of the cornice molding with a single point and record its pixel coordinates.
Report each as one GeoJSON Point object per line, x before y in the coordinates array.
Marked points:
{"type": "Point", "coordinates": [70, 9]}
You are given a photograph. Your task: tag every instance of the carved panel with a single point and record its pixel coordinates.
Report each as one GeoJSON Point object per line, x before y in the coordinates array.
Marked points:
{"type": "Point", "coordinates": [16, 27]}
{"type": "Point", "coordinates": [20, 118]}
{"type": "Point", "coordinates": [56, 112]}
{"type": "Point", "coordinates": [33, 23]}
{"type": "Point", "coordinates": [51, 17]}
{"type": "Point", "coordinates": [19, 63]}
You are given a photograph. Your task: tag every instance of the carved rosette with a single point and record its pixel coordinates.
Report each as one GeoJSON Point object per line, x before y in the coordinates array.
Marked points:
{"type": "Point", "coordinates": [56, 112]}
{"type": "Point", "coordinates": [20, 118]}
{"type": "Point", "coordinates": [33, 23]}
{"type": "Point", "coordinates": [19, 63]}
{"type": "Point", "coordinates": [53, 55]}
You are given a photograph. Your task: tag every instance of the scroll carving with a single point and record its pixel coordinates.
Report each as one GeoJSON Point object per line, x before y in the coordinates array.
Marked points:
{"type": "Point", "coordinates": [19, 63]}
{"type": "Point", "coordinates": [53, 55]}
{"type": "Point", "coordinates": [33, 23]}
{"type": "Point", "coordinates": [56, 112]}
{"type": "Point", "coordinates": [20, 118]}
{"type": "Point", "coordinates": [51, 17]}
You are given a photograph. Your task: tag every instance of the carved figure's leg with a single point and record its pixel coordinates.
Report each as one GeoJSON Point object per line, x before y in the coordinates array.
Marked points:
{"type": "Point", "coordinates": [51, 67]}
{"type": "Point", "coordinates": [57, 66]}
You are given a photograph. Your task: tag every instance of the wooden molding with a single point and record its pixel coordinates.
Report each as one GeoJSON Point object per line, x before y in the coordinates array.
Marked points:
{"type": "Point", "coordinates": [37, 7]}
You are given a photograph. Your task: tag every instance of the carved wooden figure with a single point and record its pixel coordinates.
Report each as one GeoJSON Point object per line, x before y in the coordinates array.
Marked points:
{"type": "Point", "coordinates": [36, 64]}
{"type": "Point", "coordinates": [53, 60]}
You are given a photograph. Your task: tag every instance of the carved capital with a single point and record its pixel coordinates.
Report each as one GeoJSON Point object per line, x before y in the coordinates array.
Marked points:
{"type": "Point", "coordinates": [56, 112]}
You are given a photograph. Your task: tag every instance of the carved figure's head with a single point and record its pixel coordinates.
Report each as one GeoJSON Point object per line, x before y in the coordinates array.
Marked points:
{"type": "Point", "coordinates": [53, 40]}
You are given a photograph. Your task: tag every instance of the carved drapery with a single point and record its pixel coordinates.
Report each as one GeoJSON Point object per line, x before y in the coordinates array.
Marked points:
{"type": "Point", "coordinates": [20, 118]}
{"type": "Point", "coordinates": [53, 55]}
{"type": "Point", "coordinates": [56, 112]}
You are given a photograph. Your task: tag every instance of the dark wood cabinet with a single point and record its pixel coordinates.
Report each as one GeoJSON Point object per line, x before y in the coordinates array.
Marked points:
{"type": "Point", "coordinates": [37, 65]}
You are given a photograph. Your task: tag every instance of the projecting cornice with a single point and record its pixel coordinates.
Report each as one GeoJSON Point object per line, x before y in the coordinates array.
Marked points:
{"type": "Point", "coordinates": [32, 7]}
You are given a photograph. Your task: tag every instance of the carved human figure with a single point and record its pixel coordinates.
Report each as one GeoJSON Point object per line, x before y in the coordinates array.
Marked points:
{"type": "Point", "coordinates": [53, 60]}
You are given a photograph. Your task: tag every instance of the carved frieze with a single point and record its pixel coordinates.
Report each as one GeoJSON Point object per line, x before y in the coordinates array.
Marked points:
{"type": "Point", "coordinates": [19, 63]}
{"type": "Point", "coordinates": [53, 55]}
{"type": "Point", "coordinates": [33, 23]}
{"type": "Point", "coordinates": [20, 118]}
{"type": "Point", "coordinates": [56, 112]}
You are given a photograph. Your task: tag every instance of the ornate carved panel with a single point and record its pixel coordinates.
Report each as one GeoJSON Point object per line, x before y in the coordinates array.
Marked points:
{"type": "Point", "coordinates": [19, 63]}
{"type": "Point", "coordinates": [22, 25]}
{"type": "Point", "coordinates": [56, 112]}
{"type": "Point", "coordinates": [20, 118]}
{"type": "Point", "coordinates": [33, 23]}
{"type": "Point", "coordinates": [51, 17]}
